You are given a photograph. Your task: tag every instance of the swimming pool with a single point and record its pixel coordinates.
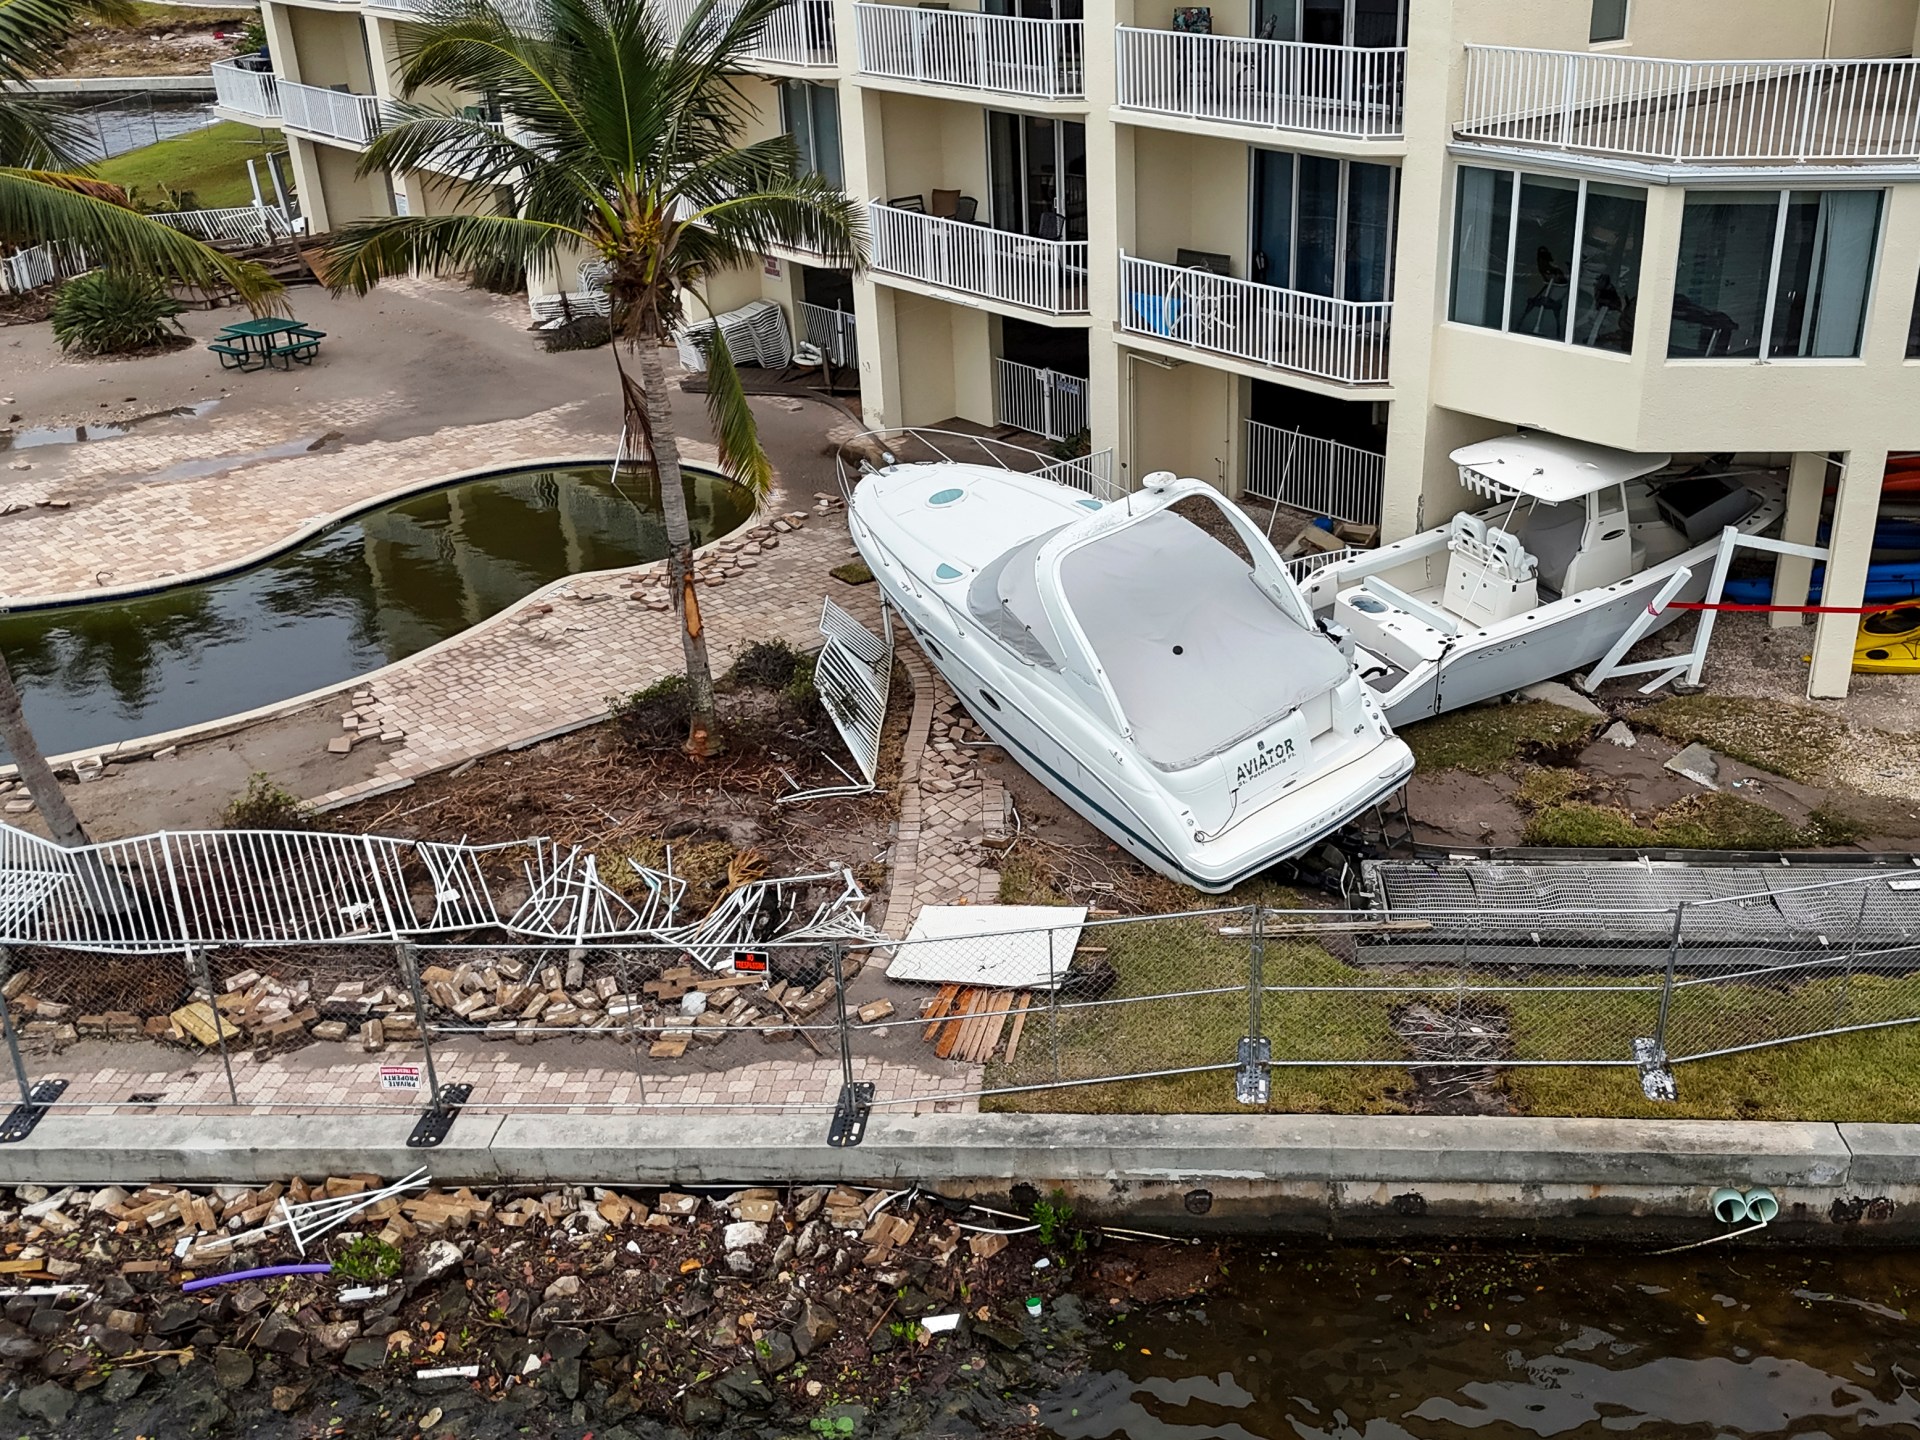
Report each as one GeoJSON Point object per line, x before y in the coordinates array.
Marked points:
{"type": "Point", "coordinates": [373, 589]}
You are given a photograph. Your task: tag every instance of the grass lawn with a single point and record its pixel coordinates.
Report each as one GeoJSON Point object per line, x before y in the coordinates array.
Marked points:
{"type": "Point", "coordinates": [209, 165]}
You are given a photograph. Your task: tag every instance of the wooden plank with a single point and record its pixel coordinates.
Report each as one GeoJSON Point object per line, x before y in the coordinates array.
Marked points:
{"type": "Point", "coordinates": [942, 1003]}
{"type": "Point", "coordinates": [950, 1035]}
{"type": "Point", "coordinates": [986, 1026]}
{"type": "Point", "coordinates": [1002, 1003]}
{"type": "Point", "coordinates": [668, 1047]}
{"type": "Point", "coordinates": [1019, 1024]}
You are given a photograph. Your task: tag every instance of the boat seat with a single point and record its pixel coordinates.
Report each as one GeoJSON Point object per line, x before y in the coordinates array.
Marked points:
{"type": "Point", "coordinates": [1490, 575]}
{"type": "Point", "coordinates": [1552, 535]}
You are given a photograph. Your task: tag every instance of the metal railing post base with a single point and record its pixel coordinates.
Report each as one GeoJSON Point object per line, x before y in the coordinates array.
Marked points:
{"type": "Point", "coordinates": [1656, 1071]}
{"type": "Point", "coordinates": [29, 1112]}
{"type": "Point", "coordinates": [850, 1115]}
{"type": "Point", "coordinates": [1252, 1083]}
{"type": "Point", "coordinates": [437, 1119]}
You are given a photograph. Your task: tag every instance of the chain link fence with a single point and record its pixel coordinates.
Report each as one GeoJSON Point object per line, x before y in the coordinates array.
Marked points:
{"type": "Point", "coordinates": [1195, 1011]}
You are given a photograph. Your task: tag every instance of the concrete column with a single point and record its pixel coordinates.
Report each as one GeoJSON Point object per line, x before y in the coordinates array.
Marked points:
{"type": "Point", "coordinates": [303, 156]}
{"type": "Point", "coordinates": [1856, 510]}
{"type": "Point", "coordinates": [1806, 487]}
{"type": "Point", "coordinates": [1109, 179]}
{"type": "Point", "coordinates": [864, 157]}
{"type": "Point", "coordinates": [280, 47]}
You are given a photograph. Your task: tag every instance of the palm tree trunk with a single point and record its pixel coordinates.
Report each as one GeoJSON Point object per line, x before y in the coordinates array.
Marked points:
{"type": "Point", "coordinates": [62, 824]}
{"type": "Point", "coordinates": [648, 415]}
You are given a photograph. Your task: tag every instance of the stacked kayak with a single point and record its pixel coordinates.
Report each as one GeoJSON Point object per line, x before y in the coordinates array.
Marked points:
{"type": "Point", "coordinates": [1890, 641]}
{"type": "Point", "coordinates": [1896, 581]}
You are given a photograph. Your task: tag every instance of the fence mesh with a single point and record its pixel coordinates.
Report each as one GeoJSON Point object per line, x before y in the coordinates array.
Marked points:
{"type": "Point", "coordinates": [1165, 1012]}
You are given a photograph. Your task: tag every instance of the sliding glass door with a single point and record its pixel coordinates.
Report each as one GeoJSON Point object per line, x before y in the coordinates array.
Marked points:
{"type": "Point", "coordinates": [1323, 226]}
{"type": "Point", "coordinates": [1369, 24]}
{"type": "Point", "coordinates": [1037, 175]}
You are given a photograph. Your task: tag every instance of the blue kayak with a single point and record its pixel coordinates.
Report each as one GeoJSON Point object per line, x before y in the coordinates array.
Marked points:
{"type": "Point", "coordinates": [1884, 582]}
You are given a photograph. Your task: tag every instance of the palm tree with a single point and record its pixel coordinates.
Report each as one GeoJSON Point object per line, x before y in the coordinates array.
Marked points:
{"type": "Point", "coordinates": [622, 146]}
{"type": "Point", "coordinates": [47, 195]}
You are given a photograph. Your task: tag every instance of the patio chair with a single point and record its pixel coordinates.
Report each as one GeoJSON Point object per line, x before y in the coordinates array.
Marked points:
{"type": "Point", "coordinates": [917, 204]}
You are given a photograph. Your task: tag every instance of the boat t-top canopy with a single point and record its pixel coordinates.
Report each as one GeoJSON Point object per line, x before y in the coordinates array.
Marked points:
{"type": "Point", "coordinates": [1548, 468]}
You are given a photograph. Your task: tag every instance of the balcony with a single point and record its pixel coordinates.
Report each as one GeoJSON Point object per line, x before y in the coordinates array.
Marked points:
{"type": "Point", "coordinates": [246, 86]}
{"type": "Point", "coordinates": [1049, 276]}
{"type": "Point", "coordinates": [1319, 476]}
{"type": "Point", "coordinates": [329, 114]}
{"type": "Point", "coordinates": [1707, 112]}
{"type": "Point", "coordinates": [799, 33]}
{"type": "Point", "coordinates": [1005, 54]}
{"type": "Point", "coordinates": [1344, 341]}
{"type": "Point", "coordinates": [1341, 90]}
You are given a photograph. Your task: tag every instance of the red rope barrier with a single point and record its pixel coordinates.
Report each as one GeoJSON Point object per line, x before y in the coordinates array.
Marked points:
{"type": "Point", "coordinates": [1909, 604]}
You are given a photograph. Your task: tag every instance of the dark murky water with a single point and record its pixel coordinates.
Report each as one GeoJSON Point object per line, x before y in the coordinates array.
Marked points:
{"type": "Point", "coordinates": [1359, 1345]}
{"type": "Point", "coordinates": [129, 123]}
{"type": "Point", "coordinates": [364, 594]}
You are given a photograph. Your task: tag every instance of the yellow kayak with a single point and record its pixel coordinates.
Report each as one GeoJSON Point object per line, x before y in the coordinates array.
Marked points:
{"type": "Point", "coordinates": [1890, 641]}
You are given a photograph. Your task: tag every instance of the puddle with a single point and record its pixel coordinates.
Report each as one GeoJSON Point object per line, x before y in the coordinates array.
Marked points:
{"type": "Point", "coordinates": [216, 464]}
{"type": "Point", "coordinates": [35, 436]}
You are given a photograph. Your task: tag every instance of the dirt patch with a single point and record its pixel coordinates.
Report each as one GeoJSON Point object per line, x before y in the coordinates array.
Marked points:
{"type": "Point", "coordinates": [157, 40]}
{"type": "Point", "coordinates": [1155, 1275]}
{"type": "Point", "coordinates": [1461, 1044]}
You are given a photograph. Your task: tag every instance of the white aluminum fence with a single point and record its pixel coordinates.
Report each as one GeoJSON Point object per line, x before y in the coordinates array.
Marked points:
{"type": "Point", "coordinates": [1736, 111]}
{"type": "Point", "coordinates": [1047, 275]}
{"type": "Point", "coordinates": [1007, 53]}
{"type": "Point", "coordinates": [246, 86]}
{"type": "Point", "coordinates": [1305, 472]}
{"type": "Point", "coordinates": [1091, 473]}
{"type": "Point", "coordinates": [40, 265]}
{"type": "Point", "coordinates": [335, 114]}
{"type": "Point", "coordinates": [1344, 340]}
{"type": "Point", "coordinates": [1041, 402]}
{"type": "Point", "coordinates": [831, 332]}
{"type": "Point", "coordinates": [1277, 84]}
{"type": "Point", "coordinates": [239, 224]}
{"type": "Point", "coordinates": [799, 33]}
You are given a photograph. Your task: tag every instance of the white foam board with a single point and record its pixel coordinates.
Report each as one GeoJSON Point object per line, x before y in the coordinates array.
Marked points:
{"type": "Point", "coordinates": [997, 947]}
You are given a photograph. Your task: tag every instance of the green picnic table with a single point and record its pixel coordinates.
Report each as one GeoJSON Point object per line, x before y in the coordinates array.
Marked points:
{"type": "Point", "coordinates": [256, 344]}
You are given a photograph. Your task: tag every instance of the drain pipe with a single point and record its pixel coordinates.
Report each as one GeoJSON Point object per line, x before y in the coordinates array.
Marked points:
{"type": "Point", "coordinates": [1759, 1205]}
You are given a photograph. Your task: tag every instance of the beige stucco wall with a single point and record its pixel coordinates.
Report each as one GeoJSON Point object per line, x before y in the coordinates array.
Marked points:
{"type": "Point", "coordinates": [349, 196]}
{"type": "Point", "coordinates": [332, 48]}
{"type": "Point", "coordinates": [1185, 420]}
{"type": "Point", "coordinates": [1199, 188]}
{"type": "Point", "coordinates": [930, 144]}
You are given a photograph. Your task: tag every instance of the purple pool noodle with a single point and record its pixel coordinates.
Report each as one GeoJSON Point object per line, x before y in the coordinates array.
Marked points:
{"type": "Point", "coordinates": [264, 1274]}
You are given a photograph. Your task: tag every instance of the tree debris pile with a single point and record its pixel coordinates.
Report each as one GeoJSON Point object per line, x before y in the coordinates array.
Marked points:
{"type": "Point", "coordinates": [753, 1313]}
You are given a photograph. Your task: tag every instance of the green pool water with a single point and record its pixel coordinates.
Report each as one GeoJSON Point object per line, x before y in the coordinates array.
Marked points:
{"type": "Point", "coordinates": [372, 590]}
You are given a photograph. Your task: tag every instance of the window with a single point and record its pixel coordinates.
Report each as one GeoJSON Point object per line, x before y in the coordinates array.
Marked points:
{"type": "Point", "coordinates": [811, 114]}
{"type": "Point", "coordinates": [1517, 266]}
{"type": "Point", "coordinates": [1775, 275]}
{"type": "Point", "coordinates": [1913, 328]}
{"type": "Point", "coordinates": [1609, 21]}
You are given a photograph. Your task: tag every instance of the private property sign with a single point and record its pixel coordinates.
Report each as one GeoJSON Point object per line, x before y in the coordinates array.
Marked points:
{"type": "Point", "coordinates": [399, 1077]}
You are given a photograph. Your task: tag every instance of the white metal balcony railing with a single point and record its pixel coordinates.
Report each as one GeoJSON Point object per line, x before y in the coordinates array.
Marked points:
{"type": "Point", "coordinates": [1275, 84]}
{"type": "Point", "coordinates": [247, 86]}
{"type": "Point", "coordinates": [1005, 53]}
{"type": "Point", "coordinates": [1343, 340]}
{"type": "Point", "coordinates": [1038, 401]}
{"type": "Point", "coordinates": [1708, 111]}
{"type": "Point", "coordinates": [798, 33]}
{"type": "Point", "coordinates": [1322, 477]}
{"type": "Point", "coordinates": [1046, 275]}
{"type": "Point", "coordinates": [831, 332]}
{"type": "Point", "coordinates": [334, 114]}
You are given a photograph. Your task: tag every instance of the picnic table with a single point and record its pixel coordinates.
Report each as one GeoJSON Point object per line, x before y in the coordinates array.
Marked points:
{"type": "Point", "coordinates": [257, 344]}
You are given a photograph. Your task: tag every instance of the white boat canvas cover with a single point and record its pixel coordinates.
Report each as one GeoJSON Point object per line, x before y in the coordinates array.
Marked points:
{"type": "Point", "coordinates": [998, 947]}
{"type": "Point", "coordinates": [1549, 468]}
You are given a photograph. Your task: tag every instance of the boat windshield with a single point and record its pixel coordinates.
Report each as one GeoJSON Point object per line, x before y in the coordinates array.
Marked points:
{"type": "Point", "coordinates": [1199, 656]}
{"type": "Point", "coordinates": [1005, 598]}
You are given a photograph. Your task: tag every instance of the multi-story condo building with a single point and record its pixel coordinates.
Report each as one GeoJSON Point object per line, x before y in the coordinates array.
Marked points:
{"type": "Point", "coordinates": [1304, 249]}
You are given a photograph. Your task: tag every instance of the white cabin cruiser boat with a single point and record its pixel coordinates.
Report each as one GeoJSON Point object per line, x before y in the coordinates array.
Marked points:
{"type": "Point", "coordinates": [1170, 687]}
{"type": "Point", "coordinates": [1578, 541]}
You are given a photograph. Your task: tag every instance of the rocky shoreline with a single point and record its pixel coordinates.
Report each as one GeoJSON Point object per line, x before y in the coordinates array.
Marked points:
{"type": "Point", "coordinates": [624, 1314]}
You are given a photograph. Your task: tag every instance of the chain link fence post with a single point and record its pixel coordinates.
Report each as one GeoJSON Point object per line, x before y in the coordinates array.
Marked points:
{"type": "Point", "coordinates": [443, 1102]}
{"type": "Point", "coordinates": [1650, 1052]}
{"type": "Point", "coordinates": [630, 1021]}
{"type": "Point", "coordinates": [13, 1037]}
{"type": "Point", "coordinates": [855, 1105]}
{"type": "Point", "coordinates": [410, 971]}
{"type": "Point", "coordinates": [1053, 1004]}
{"type": "Point", "coordinates": [203, 978]}
{"type": "Point", "coordinates": [1843, 996]}
{"type": "Point", "coordinates": [1252, 1080]}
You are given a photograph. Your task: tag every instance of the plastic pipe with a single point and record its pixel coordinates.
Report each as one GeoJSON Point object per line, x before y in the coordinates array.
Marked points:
{"type": "Point", "coordinates": [1761, 1204]}
{"type": "Point", "coordinates": [266, 1273]}
{"type": "Point", "coordinates": [1729, 1206]}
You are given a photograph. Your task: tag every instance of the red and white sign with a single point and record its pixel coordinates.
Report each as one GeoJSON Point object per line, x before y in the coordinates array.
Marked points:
{"type": "Point", "coordinates": [750, 962]}
{"type": "Point", "coordinates": [399, 1077]}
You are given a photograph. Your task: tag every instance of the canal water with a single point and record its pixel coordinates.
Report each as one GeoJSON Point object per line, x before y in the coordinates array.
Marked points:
{"type": "Point", "coordinates": [370, 591]}
{"type": "Point", "coordinates": [1380, 1345]}
{"type": "Point", "coordinates": [129, 122]}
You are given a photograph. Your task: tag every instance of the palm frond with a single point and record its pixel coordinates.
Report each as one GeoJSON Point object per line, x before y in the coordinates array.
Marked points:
{"type": "Point", "coordinates": [37, 206]}
{"type": "Point", "coordinates": [38, 134]}
{"type": "Point", "coordinates": [736, 435]}
{"type": "Point", "coordinates": [368, 251]}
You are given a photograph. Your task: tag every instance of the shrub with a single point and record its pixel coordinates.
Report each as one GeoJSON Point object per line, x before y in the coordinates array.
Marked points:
{"type": "Point", "coordinates": [264, 805]}
{"type": "Point", "coordinates": [114, 312]}
{"type": "Point", "coordinates": [656, 717]}
{"type": "Point", "coordinates": [368, 1259]}
{"type": "Point", "coordinates": [770, 664]}
{"type": "Point", "coordinates": [582, 332]}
